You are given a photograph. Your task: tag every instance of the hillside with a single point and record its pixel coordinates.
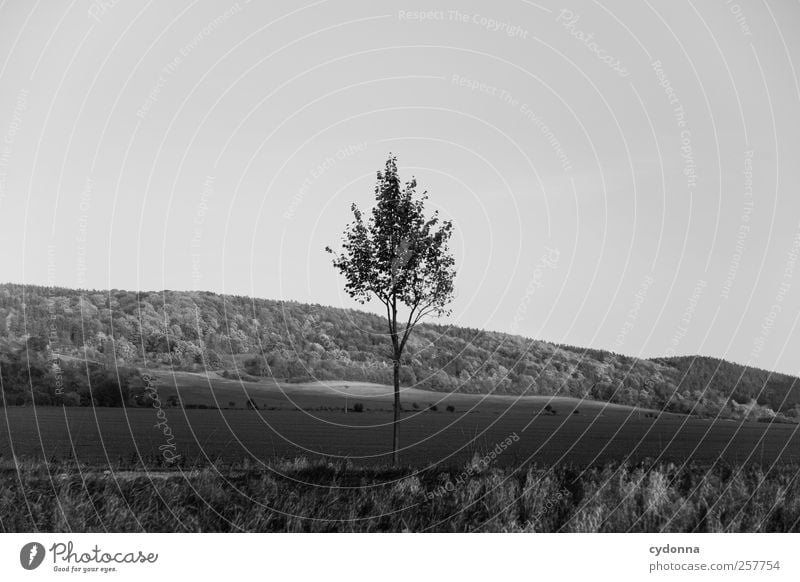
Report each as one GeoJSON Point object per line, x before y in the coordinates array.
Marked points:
{"type": "Point", "coordinates": [194, 331]}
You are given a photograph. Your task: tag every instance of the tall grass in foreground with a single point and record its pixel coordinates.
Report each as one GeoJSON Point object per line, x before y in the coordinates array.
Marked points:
{"type": "Point", "coordinates": [317, 496]}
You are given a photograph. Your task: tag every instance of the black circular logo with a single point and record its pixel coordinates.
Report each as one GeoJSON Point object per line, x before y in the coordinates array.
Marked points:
{"type": "Point", "coordinates": [31, 555]}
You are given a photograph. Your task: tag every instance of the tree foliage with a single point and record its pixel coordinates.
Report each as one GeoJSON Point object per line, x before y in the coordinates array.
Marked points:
{"type": "Point", "coordinates": [398, 255]}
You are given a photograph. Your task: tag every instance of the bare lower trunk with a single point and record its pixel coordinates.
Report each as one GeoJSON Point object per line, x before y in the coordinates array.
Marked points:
{"type": "Point", "coordinates": [395, 424]}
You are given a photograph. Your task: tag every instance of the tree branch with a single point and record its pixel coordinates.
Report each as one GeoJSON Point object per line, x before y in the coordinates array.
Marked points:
{"type": "Point", "coordinates": [411, 325]}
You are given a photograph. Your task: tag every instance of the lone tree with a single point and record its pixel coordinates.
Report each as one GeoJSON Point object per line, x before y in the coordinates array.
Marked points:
{"type": "Point", "coordinates": [401, 257]}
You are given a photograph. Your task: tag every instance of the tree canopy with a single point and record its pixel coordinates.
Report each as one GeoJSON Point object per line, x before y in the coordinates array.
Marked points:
{"type": "Point", "coordinates": [398, 255]}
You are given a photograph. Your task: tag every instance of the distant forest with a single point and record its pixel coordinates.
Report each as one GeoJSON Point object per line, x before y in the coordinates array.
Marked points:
{"type": "Point", "coordinates": [63, 346]}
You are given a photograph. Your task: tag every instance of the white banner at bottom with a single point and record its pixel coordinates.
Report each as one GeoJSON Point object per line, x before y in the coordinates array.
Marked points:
{"type": "Point", "coordinates": [355, 557]}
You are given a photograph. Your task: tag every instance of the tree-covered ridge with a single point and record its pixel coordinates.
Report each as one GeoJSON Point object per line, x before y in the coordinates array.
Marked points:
{"type": "Point", "coordinates": [293, 341]}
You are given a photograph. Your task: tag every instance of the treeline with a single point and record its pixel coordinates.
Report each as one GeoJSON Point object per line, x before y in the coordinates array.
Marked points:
{"type": "Point", "coordinates": [299, 342]}
{"type": "Point", "coordinates": [31, 373]}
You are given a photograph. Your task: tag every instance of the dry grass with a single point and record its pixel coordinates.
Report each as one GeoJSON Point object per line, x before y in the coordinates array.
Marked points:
{"type": "Point", "coordinates": [313, 496]}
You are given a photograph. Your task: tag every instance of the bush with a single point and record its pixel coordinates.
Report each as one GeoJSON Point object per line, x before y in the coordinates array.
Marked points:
{"type": "Point", "coordinates": [107, 390]}
{"type": "Point", "coordinates": [451, 408]}
{"type": "Point", "coordinates": [256, 366]}
{"type": "Point", "coordinates": [212, 359]}
{"type": "Point", "coordinates": [358, 407]}
{"type": "Point", "coordinates": [433, 408]}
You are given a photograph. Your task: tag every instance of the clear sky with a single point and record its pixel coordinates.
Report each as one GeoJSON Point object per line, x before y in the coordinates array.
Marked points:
{"type": "Point", "coordinates": [620, 175]}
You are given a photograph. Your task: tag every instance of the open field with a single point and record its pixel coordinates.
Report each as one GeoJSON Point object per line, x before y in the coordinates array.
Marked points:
{"type": "Point", "coordinates": [304, 460]}
{"type": "Point", "coordinates": [211, 389]}
{"type": "Point", "coordinates": [310, 420]}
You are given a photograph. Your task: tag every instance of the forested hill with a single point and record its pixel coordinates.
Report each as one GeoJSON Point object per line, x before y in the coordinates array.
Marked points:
{"type": "Point", "coordinates": [293, 341]}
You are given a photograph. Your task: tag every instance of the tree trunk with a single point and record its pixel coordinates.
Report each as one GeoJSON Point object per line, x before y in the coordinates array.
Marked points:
{"type": "Point", "coordinates": [395, 424]}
